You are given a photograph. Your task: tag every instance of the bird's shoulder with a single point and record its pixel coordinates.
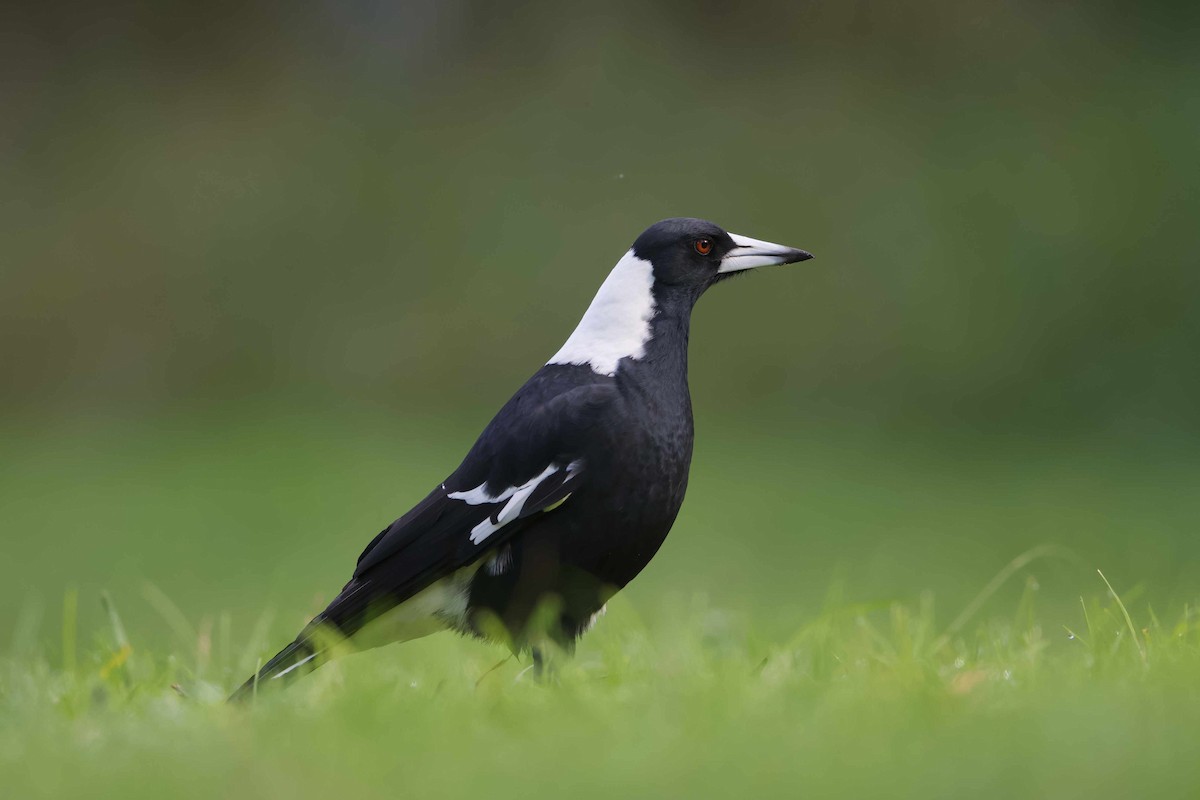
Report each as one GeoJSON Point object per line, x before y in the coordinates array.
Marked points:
{"type": "Point", "coordinates": [558, 409]}
{"type": "Point", "coordinates": [531, 455]}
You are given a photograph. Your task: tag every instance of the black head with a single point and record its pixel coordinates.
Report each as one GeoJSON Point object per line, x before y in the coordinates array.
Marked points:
{"type": "Point", "coordinates": [696, 253]}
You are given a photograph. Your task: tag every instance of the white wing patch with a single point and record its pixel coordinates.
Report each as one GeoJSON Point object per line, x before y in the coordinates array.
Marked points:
{"type": "Point", "coordinates": [511, 510]}
{"type": "Point", "coordinates": [515, 495]}
{"type": "Point", "coordinates": [617, 323]}
{"type": "Point", "coordinates": [480, 495]}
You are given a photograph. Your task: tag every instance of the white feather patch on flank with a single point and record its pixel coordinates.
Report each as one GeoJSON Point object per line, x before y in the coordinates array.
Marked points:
{"type": "Point", "coordinates": [617, 323]}
{"type": "Point", "coordinates": [592, 620]}
{"type": "Point", "coordinates": [441, 605]}
{"type": "Point", "coordinates": [500, 562]}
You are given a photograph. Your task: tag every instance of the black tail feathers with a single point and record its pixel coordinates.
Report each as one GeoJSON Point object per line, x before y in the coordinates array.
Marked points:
{"type": "Point", "coordinates": [298, 658]}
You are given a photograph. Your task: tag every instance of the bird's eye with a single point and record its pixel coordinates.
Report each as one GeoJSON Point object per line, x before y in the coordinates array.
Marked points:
{"type": "Point", "coordinates": [703, 246]}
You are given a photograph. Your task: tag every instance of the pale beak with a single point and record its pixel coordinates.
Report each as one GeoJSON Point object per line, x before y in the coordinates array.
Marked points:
{"type": "Point", "coordinates": [750, 253]}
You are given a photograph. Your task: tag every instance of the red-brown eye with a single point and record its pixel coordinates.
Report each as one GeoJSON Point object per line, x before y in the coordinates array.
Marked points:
{"type": "Point", "coordinates": [703, 246]}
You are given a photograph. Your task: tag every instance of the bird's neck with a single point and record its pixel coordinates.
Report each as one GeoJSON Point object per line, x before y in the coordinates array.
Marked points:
{"type": "Point", "coordinates": [662, 369]}
{"type": "Point", "coordinates": [655, 387]}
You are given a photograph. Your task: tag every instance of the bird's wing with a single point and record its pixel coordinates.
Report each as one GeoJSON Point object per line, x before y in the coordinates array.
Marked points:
{"type": "Point", "coordinates": [528, 461]}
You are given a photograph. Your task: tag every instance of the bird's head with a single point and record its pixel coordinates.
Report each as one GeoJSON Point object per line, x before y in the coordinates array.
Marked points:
{"type": "Point", "coordinates": [660, 278]}
{"type": "Point", "coordinates": [696, 253]}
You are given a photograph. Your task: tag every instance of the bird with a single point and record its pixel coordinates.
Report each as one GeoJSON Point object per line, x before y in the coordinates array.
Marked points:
{"type": "Point", "coordinates": [568, 492]}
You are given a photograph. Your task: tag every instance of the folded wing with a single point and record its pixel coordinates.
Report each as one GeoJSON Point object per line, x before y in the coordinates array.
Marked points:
{"type": "Point", "coordinates": [528, 462]}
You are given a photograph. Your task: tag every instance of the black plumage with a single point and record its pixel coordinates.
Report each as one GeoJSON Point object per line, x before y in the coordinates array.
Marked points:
{"type": "Point", "coordinates": [571, 488]}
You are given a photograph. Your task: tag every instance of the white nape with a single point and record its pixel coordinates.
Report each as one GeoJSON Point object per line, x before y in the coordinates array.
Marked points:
{"type": "Point", "coordinates": [617, 323]}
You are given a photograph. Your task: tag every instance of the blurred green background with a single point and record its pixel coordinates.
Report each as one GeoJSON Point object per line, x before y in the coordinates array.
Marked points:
{"type": "Point", "coordinates": [266, 270]}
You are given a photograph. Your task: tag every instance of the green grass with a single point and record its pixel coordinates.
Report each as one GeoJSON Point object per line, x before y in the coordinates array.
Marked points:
{"type": "Point", "coordinates": [861, 700]}
{"type": "Point", "coordinates": [832, 616]}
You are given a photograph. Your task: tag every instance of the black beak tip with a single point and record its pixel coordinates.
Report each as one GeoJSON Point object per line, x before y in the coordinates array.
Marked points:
{"type": "Point", "coordinates": [800, 255]}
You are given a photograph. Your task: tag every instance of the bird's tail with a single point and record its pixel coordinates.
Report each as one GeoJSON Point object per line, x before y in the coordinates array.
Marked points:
{"type": "Point", "coordinates": [298, 658]}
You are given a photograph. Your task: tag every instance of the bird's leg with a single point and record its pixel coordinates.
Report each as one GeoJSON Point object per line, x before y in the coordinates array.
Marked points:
{"type": "Point", "coordinates": [546, 638]}
{"type": "Point", "coordinates": [539, 664]}
{"type": "Point", "coordinates": [548, 655]}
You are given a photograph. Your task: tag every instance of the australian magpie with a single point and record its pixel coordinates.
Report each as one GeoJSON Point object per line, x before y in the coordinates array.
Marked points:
{"type": "Point", "coordinates": [570, 489]}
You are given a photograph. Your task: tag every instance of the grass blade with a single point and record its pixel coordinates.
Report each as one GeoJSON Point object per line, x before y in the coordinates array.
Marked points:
{"type": "Point", "coordinates": [70, 623]}
{"type": "Point", "coordinates": [1128, 620]}
{"type": "Point", "coordinates": [1001, 577]}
